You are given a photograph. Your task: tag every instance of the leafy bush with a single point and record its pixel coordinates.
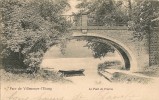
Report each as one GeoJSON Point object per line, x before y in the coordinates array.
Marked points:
{"type": "Point", "coordinates": [99, 49]}
{"type": "Point", "coordinates": [110, 64]}
{"type": "Point", "coordinates": [30, 27]}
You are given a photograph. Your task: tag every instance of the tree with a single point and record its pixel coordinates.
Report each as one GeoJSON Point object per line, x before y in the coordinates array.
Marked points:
{"type": "Point", "coordinates": [99, 49]}
{"type": "Point", "coordinates": [30, 28]}
{"type": "Point", "coordinates": [103, 12]}
{"type": "Point", "coordinates": [143, 14]}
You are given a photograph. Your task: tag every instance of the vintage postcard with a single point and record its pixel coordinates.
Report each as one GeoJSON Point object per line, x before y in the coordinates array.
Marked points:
{"type": "Point", "coordinates": [79, 49]}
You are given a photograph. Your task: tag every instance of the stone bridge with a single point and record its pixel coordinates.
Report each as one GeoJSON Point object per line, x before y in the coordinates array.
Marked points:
{"type": "Point", "coordinates": [136, 54]}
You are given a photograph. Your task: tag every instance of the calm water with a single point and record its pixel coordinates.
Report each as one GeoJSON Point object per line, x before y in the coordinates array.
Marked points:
{"type": "Point", "coordinates": [89, 64]}
{"type": "Point", "coordinates": [75, 63]}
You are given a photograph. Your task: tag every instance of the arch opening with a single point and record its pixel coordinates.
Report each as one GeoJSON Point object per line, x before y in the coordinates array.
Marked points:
{"type": "Point", "coordinates": [127, 57]}
{"type": "Point", "coordinates": [129, 60]}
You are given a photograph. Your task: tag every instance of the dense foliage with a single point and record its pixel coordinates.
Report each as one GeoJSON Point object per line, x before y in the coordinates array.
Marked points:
{"type": "Point", "coordinates": [99, 49]}
{"type": "Point", "coordinates": [103, 12]}
{"type": "Point", "coordinates": [143, 18]}
{"type": "Point", "coordinates": [30, 27]}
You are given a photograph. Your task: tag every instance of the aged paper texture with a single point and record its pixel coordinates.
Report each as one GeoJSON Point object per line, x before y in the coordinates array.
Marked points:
{"type": "Point", "coordinates": [79, 50]}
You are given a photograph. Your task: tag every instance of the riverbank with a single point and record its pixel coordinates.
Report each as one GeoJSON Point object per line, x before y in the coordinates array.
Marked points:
{"type": "Point", "coordinates": [123, 76]}
{"type": "Point", "coordinates": [114, 75]}
{"type": "Point", "coordinates": [39, 76]}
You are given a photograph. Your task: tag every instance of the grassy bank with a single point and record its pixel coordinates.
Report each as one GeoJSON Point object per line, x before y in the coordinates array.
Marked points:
{"type": "Point", "coordinates": [117, 74]}
{"type": "Point", "coordinates": [128, 78]}
{"type": "Point", "coordinates": [40, 75]}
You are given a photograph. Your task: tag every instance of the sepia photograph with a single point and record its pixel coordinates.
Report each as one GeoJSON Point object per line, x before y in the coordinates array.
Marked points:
{"type": "Point", "coordinates": [79, 49]}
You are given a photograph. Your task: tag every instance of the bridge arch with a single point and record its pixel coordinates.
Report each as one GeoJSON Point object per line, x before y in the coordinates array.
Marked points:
{"type": "Point", "coordinates": [128, 57]}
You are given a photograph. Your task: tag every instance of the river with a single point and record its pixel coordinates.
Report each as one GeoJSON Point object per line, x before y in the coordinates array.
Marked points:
{"type": "Point", "coordinates": [88, 64]}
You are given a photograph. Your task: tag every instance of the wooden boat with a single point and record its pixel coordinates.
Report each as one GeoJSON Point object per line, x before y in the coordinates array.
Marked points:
{"type": "Point", "coordinates": [72, 72]}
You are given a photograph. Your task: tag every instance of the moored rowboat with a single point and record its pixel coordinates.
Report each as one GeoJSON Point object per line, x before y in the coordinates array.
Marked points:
{"type": "Point", "coordinates": [71, 72]}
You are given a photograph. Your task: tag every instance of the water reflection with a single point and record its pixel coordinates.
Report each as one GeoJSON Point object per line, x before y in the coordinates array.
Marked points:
{"type": "Point", "coordinates": [77, 57]}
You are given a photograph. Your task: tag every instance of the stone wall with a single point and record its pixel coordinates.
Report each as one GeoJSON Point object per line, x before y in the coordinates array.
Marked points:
{"type": "Point", "coordinates": [154, 47]}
